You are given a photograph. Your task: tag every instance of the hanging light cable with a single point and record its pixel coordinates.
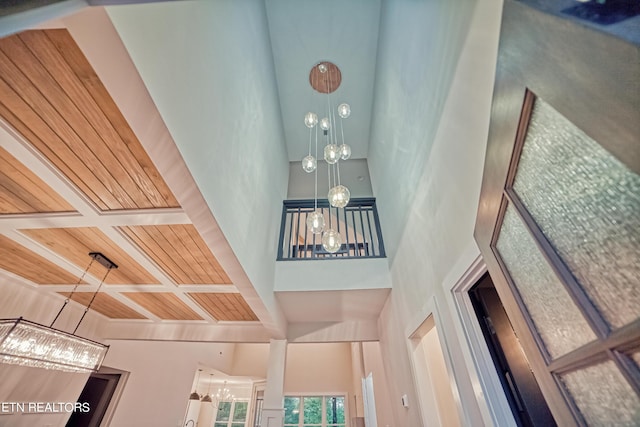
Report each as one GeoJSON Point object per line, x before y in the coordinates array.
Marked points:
{"type": "Point", "coordinates": [325, 78]}
{"type": "Point", "coordinates": [195, 395]}
{"type": "Point", "coordinates": [207, 397]}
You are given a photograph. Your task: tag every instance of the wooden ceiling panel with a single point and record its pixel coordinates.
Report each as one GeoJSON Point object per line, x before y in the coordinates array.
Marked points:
{"type": "Point", "coordinates": [165, 305]}
{"type": "Point", "coordinates": [224, 306]}
{"type": "Point", "coordinates": [51, 95]}
{"type": "Point", "coordinates": [74, 244]}
{"type": "Point", "coordinates": [22, 191]}
{"type": "Point", "coordinates": [180, 251]}
{"type": "Point", "coordinates": [105, 304]}
{"type": "Point", "coordinates": [25, 263]}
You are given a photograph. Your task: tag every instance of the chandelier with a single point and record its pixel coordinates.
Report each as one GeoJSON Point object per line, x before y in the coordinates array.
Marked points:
{"type": "Point", "coordinates": [34, 345]}
{"type": "Point", "coordinates": [325, 77]}
{"type": "Point", "coordinates": [224, 394]}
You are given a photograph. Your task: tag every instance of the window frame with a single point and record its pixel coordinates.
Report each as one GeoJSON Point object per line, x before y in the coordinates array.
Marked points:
{"type": "Point", "coordinates": [324, 397]}
{"type": "Point", "coordinates": [230, 422]}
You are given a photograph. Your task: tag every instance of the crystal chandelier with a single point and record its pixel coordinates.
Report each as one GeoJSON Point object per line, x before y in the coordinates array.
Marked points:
{"type": "Point", "coordinates": [325, 77]}
{"type": "Point", "coordinates": [30, 344]}
{"type": "Point", "coordinates": [224, 394]}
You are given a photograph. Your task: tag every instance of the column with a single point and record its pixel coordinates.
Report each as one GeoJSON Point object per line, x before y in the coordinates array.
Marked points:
{"type": "Point", "coordinates": [273, 405]}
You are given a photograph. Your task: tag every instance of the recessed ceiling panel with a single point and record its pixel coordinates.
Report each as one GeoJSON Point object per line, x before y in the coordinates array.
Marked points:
{"type": "Point", "coordinates": [165, 305]}
{"type": "Point", "coordinates": [224, 306]}
{"type": "Point", "coordinates": [21, 261]}
{"type": "Point", "coordinates": [74, 244]}
{"type": "Point", "coordinates": [180, 251]}
{"type": "Point", "coordinates": [50, 94]}
{"type": "Point", "coordinates": [105, 304]}
{"type": "Point", "coordinates": [22, 191]}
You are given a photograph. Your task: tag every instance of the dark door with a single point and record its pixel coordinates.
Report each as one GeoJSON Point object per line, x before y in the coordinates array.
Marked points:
{"type": "Point", "coordinates": [522, 390]}
{"type": "Point", "coordinates": [97, 393]}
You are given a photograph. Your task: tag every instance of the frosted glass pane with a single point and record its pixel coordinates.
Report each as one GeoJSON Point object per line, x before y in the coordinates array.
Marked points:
{"type": "Point", "coordinates": [587, 203]}
{"type": "Point", "coordinates": [555, 316]}
{"type": "Point", "coordinates": [636, 358]}
{"type": "Point", "coordinates": [603, 395]}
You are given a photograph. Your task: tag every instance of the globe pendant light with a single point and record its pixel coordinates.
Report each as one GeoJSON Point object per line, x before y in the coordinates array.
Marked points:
{"type": "Point", "coordinates": [310, 119]}
{"type": "Point", "coordinates": [345, 152]}
{"type": "Point", "coordinates": [331, 154]}
{"type": "Point", "coordinates": [325, 78]}
{"type": "Point", "coordinates": [331, 241]}
{"type": "Point", "coordinates": [315, 222]}
{"type": "Point", "coordinates": [344, 110]}
{"type": "Point", "coordinates": [339, 196]}
{"type": "Point", "coordinates": [309, 164]}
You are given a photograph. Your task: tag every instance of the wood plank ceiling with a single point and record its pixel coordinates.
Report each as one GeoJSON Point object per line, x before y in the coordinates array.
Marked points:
{"type": "Point", "coordinates": [53, 100]}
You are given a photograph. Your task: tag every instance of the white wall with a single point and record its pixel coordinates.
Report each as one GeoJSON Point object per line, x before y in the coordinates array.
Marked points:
{"type": "Point", "coordinates": [420, 43]}
{"type": "Point", "coordinates": [443, 160]}
{"type": "Point", "coordinates": [161, 376]}
{"type": "Point", "coordinates": [321, 368]}
{"type": "Point", "coordinates": [354, 174]}
{"type": "Point", "coordinates": [250, 360]}
{"type": "Point", "coordinates": [445, 403]}
{"type": "Point", "coordinates": [211, 76]}
{"type": "Point", "coordinates": [373, 364]}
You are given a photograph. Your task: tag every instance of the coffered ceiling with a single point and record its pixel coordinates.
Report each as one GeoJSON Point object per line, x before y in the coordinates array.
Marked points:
{"type": "Point", "coordinates": [75, 179]}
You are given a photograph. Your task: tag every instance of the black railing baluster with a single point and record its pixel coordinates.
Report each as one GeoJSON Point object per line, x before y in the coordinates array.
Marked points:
{"type": "Point", "coordinates": [356, 246]}
{"type": "Point", "coordinates": [346, 229]}
{"type": "Point", "coordinates": [306, 231]}
{"type": "Point", "coordinates": [373, 246]}
{"type": "Point", "coordinates": [364, 233]}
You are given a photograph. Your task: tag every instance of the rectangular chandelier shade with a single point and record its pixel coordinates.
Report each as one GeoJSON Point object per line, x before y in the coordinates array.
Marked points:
{"type": "Point", "coordinates": [30, 344]}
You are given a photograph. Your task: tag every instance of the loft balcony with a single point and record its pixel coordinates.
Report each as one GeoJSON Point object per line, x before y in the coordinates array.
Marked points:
{"type": "Point", "coordinates": [357, 224]}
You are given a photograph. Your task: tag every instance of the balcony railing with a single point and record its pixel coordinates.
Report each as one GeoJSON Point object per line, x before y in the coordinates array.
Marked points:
{"type": "Point", "coordinates": [357, 223]}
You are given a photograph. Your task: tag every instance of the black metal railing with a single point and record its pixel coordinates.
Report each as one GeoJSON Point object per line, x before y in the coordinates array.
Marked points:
{"type": "Point", "coordinates": [357, 223]}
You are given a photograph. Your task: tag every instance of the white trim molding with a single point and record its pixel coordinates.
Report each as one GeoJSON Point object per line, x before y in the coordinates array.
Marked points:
{"type": "Point", "coordinates": [488, 389]}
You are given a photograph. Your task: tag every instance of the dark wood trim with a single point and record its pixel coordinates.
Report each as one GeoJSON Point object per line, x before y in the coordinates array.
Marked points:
{"type": "Point", "coordinates": [521, 136]}
{"type": "Point", "coordinates": [586, 76]}
{"type": "Point", "coordinates": [628, 368]}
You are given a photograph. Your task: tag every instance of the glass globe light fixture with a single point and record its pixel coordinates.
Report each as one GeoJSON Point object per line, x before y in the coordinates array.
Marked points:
{"type": "Point", "coordinates": [345, 151]}
{"type": "Point", "coordinates": [310, 119]}
{"type": "Point", "coordinates": [331, 241]}
{"type": "Point", "coordinates": [344, 110]}
{"type": "Point", "coordinates": [309, 164]}
{"type": "Point", "coordinates": [331, 153]}
{"type": "Point", "coordinates": [315, 222]}
{"type": "Point", "coordinates": [325, 124]}
{"type": "Point", "coordinates": [339, 196]}
{"type": "Point", "coordinates": [322, 68]}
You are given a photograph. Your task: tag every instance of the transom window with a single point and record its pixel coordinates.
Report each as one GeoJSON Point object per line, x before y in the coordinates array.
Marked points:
{"type": "Point", "coordinates": [231, 414]}
{"type": "Point", "coordinates": [314, 411]}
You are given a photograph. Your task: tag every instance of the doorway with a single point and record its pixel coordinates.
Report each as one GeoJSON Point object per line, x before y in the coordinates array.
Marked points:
{"type": "Point", "coordinates": [97, 393]}
{"type": "Point", "coordinates": [521, 388]}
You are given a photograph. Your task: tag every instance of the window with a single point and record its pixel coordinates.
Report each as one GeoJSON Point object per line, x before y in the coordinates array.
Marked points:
{"type": "Point", "coordinates": [314, 411]}
{"type": "Point", "coordinates": [231, 414]}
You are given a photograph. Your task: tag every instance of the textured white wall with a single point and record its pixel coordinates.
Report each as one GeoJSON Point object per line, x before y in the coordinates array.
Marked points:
{"type": "Point", "coordinates": [442, 105]}
{"type": "Point", "coordinates": [211, 75]}
{"type": "Point", "coordinates": [420, 43]}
